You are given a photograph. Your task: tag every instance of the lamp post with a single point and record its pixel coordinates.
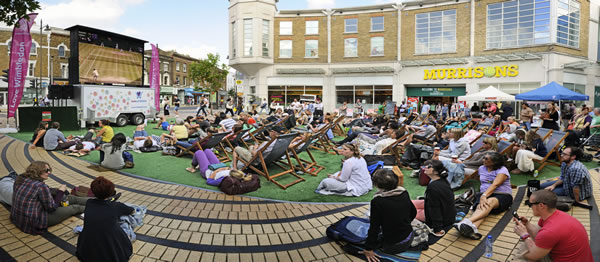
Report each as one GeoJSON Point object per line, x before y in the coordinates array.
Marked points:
{"type": "Point", "coordinates": [41, 52]}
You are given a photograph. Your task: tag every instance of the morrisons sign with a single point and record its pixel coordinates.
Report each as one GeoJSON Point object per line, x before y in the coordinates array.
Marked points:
{"type": "Point", "coordinates": [471, 72]}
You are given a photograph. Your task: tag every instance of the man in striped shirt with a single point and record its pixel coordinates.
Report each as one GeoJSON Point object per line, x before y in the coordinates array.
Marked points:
{"type": "Point", "coordinates": [574, 180]}
{"type": "Point", "coordinates": [227, 123]}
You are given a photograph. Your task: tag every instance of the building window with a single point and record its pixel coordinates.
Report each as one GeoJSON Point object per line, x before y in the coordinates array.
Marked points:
{"type": "Point", "coordinates": [177, 66]}
{"type": "Point", "coordinates": [312, 27]}
{"type": "Point", "coordinates": [371, 96]}
{"type": "Point", "coordinates": [64, 70]}
{"type": "Point", "coordinates": [518, 23]}
{"type": "Point", "coordinates": [233, 40]}
{"type": "Point", "coordinates": [285, 48]}
{"type": "Point", "coordinates": [33, 50]}
{"type": "Point", "coordinates": [247, 37]}
{"type": "Point", "coordinates": [31, 70]}
{"type": "Point", "coordinates": [575, 87]}
{"type": "Point", "coordinates": [177, 80]}
{"type": "Point", "coordinates": [61, 51]}
{"type": "Point", "coordinates": [350, 47]}
{"type": "Point", "coordinates": [166, 80]}
{"type": "Point", "coordinates": [285, 27]}
{"type": "Point", "coordinates": [166, 67]}
{"type": "Point", "coordinates": [568, 23]}
{"type": "Point", "coordinates": [351, 25]}
{"type": "Point", "coordinates": [377, 46]}
{"type": "Point", "coordinates": [185, 81]}
{"type": "Point", "coordinates": [185, 68]}
{"type": "Point", "coordinates": [265, 37]}
{"type": "Point", "coordinates": [377, 23]}
{"type": "Point", "coordinates": [435, 32]}
{"type": "Point", "coordinates": [311, 48]}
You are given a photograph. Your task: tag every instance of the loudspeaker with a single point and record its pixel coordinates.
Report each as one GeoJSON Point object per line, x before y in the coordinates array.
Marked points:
{"type": "Point", "coordinates": [54, 92]}
{"type": "Point", "coordinates": [68, 92]}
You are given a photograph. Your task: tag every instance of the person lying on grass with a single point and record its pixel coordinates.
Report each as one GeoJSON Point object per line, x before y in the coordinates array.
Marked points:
{"type": "Point", "coordinates": [495, 195]}
{"type": "Point", "coordinates": [83, 148]}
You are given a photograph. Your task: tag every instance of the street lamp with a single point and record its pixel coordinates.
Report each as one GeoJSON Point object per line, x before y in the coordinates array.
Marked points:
{"type": "Point", "coordinates": [37, 101]}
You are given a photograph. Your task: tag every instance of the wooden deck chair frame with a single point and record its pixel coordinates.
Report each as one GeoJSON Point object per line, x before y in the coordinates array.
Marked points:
{"type": "Point", "coordinates": [427, 140]}
{"type": "Point", "coordinates": [393, 148]}
{"type": "Point", "coordinates": [548, 132]}
{"type": "Point", "coordinates": [239, 138]}
{"type": "Point", "coordinates": [303, 164]}
{"type": "Point", "coordinates": [337, 129]}
{"type": "Point", "coordinates": [255, 135]}
{"type": "Point", "coordinates": [190, 150]}
{"type": "Point", "coordinates": [323, 142]}
{"type": "Point", "coordinates": [476, 142]}
{"type": "Point", "coordinates": [504, 151]}
{"type": "Point", "coordinates": [561, 136]}
{"type": "Point", "coordinates": [281, 122]}
{"type": "Point", "coordinates": [216, 141]}
{"type": "Point", "coordinates": [273, 158]}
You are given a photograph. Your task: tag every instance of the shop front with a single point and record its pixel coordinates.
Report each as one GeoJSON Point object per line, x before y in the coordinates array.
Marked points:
{"type": "Point", "coordinates": [436, 94]}
{"type": "Point", "coordinates": [370, 91]}
{"type": "Point", "coordinates": [283, 90]}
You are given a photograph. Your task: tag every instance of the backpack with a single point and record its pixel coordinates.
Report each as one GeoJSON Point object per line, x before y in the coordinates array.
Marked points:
{"type": "Point", "coordinates": [374, 167]}
{"type": "Point", "coordinates": [350, 229]}
{"type": "Point", "coordinates": [82, 191]}
{"type": "Point", "coordinates": [235, 186]}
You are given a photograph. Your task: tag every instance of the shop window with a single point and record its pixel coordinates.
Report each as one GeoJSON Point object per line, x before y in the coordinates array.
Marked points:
{"type": "Point", "coordinates": [377, 46]}
{"type": "Point", "coordinates": [312, 27]}
{"type": "Point", "coordinates": [311, 48]}
{"type": "Point", "coordinates": [567, 31]}
{"type": "Point", "coordinates": [265, 37]}
{"type": "Point", "coordinates": [247, 37]}
{"type": "Point", "coordinates": [351, 25]}
{"type": "Point", "coordinates": [285, 95]}
{"type": "Point", "coordinates": [435, 32]}
{"type": "Point", "coordinates": [344, 94]}
{"type": "Point", "coordinates": [285, 48]}
{"type": "Point", "coordinates": [575, 87]}
{"type": "Point", "coordinates": [518, 23]}
{"type": "Point", "coordinates": [351, 47]}
{"type": "Point", "coordinates": [376, 23]}
{"type": "Point", "coordinates": [370, 96]}
{"type": "Point", "coordinates": [285, 28]}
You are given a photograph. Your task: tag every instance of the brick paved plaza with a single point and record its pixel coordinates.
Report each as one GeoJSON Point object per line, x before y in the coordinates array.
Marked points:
{"type": "Point", "coordinates": [191, 224]}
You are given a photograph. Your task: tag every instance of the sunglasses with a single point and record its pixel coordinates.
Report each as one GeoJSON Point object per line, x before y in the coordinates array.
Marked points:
{"type": "Point", "coordinates": [486, 158]}
{"type": "Point", "coordinates": [49, 170]}
{"type": "Point", "coordinates": [535, 203]}
{"type": "Point", "coordinates": [429, 166]}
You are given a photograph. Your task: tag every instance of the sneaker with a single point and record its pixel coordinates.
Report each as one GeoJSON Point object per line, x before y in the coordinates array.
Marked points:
{"type": "Point", "coordinates": [415, 174]}
{"type": "Point", "coordinates": [469, 231]}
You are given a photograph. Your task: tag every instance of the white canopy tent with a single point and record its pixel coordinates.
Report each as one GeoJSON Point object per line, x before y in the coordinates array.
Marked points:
{"type": "Point", "coordinates": [489, 94]}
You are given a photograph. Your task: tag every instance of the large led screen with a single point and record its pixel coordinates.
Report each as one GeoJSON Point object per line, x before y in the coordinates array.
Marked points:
{"type": "Point", "coordinates": [109, 60]}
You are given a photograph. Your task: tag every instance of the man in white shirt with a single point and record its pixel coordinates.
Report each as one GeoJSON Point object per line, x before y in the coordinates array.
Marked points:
{"type": "Point", "coordinates": [425, 109]}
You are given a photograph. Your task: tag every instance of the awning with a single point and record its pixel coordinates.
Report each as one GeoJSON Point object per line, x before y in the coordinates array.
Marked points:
{"type": "Point", "coordinates": [488, 94]}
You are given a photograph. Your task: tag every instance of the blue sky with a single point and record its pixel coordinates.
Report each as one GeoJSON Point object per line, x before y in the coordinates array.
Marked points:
{"type": "Point", "coordinates": [190, 26]}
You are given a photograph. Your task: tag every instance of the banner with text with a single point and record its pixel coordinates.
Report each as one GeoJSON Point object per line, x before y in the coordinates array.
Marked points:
{"type": "Point", "coordinates": [155, 76]}
{"type": "Point", "coordinates": [19, 61]}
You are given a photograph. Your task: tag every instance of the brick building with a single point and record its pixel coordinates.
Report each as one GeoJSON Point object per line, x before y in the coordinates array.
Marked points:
{"type": "Point", "coordinates": [434, 50]}
{"type": "Point", "coordinates": [49, 57]}
{"type": "Point", "coordinates": [167, 90]}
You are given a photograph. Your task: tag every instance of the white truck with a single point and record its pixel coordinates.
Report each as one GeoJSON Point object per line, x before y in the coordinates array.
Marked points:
{"type": "Point", "coordinates": [118, 104]}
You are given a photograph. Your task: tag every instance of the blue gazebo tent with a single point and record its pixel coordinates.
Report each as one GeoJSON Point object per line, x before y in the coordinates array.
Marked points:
{"type": "Point", "coordinates": [552, 92]}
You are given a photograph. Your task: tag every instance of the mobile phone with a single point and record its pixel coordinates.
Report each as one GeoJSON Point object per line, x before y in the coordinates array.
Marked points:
{"type": "Point", "coordinates": [516, 215]}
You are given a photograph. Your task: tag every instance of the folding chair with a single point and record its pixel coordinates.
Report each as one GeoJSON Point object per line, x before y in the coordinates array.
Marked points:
{"type": "Point", "coordinates": [214, 141]}
{"type": "Point", "coordinates": [503, 148]}
{"type": "Point", "coordinates": [337, 129]}
{"type": "Point", "coordinates": [257, 135]}
{"type": "Point", "coordinates": [238, 140]}
{"type": "Point", "coordinates": [185, 147]}
{"type": "Point", "coordinates": [477, 145]}
{"type": "Point", "coordinates": [394, 150]}
{"type": "Point", "coordinates": [259, 162]}
{"type": "Point", "coordinates": [323, 142]}
{"type": "Point", "coordinates": [303, 164]}
{"type": "Point", "coordinates": [553, 143]}
{"type": "Point", "coordinates": [544, 133]}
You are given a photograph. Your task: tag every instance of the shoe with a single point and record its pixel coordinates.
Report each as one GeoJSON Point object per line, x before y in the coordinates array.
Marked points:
{"type": "Point", "coordinates": [415, 174]}
{"type": "Point", "coordinates": [468, 231]}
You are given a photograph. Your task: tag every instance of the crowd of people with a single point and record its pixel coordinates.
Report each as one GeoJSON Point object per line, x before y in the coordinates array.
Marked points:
{"type": "Point", "coordinates": [448, 131]}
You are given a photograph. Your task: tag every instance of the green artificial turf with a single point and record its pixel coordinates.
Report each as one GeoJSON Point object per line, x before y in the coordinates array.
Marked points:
{"type": "Point", "coordinates": [172, 169]}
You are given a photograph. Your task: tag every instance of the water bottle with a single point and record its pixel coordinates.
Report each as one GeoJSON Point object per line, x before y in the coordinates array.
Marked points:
{"type": "Point", "coordinates": [489, 243]}
{"type": "Point", "coordinates": [536, 173]}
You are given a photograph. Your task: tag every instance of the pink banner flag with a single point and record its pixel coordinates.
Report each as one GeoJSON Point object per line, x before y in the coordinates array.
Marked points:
{"type": "Point", "coordinates": [19, 62]}
{"type": "Point", "coordinates": [155, 76]}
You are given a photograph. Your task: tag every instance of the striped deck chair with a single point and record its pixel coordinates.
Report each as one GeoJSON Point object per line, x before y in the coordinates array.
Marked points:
{"type": "Point", "coordinates": [213, 141]}
{"type": "Point", "coordinates": [544, 133]}
{"type": "Point", "coordinates": [323, 142]}
{"type": "Point", "coordinates": [238, 140]}
{"type": "Point", "coordinates": [337, 128]}
{"type": "Point", "coordinates": [503, 148]}
{"type": "Point", "coordinates": [553, 143]}
{"type": "Point", "coordinates": [477, 145]}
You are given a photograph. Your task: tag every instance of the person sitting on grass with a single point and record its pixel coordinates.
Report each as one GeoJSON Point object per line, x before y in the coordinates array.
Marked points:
{"type": "Point", "coordinates": [391, 215]}
{"type": "Point", "coordinates": [38, 135]}
{"type": "Point", "coordinates": [495, 195]}
{"type": "Point", "coordinates": [533, 148]}
{"type": "Point", "coordinates": [55, 140]}
{"type": "Point", "coordinates": [557, 235]}
{"type": "Point", "coordinates": [354, 178]}
{"type": "Point", "coordinates": [437, 210]}
{"type": "Point", "coordinates": [163, 124]}
{"type": "Point", "coordinates": [113, 154]}
{"type": "Point", "coordinates": [105, 134]}
{"type": "Point", "coordinates": [34, 209]}
{"type": "Point", "coordinates": [102, 238]}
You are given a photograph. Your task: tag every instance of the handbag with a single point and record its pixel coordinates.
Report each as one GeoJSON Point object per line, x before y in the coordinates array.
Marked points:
{"type": "Point", "coordinates": [532, 186]}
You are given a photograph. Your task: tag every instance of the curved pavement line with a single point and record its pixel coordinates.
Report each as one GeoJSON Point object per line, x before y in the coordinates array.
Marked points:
{"type": "Point", "coordinates": [198, 219]}
{"type": "Point", "coordinates": [478, 251]}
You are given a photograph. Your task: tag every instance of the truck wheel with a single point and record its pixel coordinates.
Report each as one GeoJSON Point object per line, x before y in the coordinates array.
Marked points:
{"type": "Point", "coordinates": [122, 120]}
{"type": "Point", "coordinates": [137, 119]}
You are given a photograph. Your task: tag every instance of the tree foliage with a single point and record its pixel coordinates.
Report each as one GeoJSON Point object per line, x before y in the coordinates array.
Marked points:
{"type": "Point", "coordinates": [208, 75]}
{"type": "Point", "coordinates": [12, 10]}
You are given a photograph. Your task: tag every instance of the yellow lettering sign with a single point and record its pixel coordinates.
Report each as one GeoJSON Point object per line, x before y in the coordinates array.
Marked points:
{"type": "Point", "coordinates": [471, 72]}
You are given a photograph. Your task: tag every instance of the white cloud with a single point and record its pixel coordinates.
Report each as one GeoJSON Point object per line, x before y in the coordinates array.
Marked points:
{"type": "Point", "coordinates": [94, 13]}
{"type": "Point", "coordinates": [318, 4]}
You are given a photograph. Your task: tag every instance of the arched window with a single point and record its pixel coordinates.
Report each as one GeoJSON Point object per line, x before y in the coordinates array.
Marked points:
{"type": "Point", "coordinates": [61, 51]}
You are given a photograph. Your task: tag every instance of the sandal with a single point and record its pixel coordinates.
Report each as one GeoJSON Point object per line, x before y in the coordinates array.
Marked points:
{"type": "Point", "coordinates": [467, 231]}
{"type": "Point", "coordinates": [190, 169]}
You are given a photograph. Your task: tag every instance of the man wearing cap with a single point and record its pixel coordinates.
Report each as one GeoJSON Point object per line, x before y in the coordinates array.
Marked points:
{"type": "Point", "coordinates": [246, 154]}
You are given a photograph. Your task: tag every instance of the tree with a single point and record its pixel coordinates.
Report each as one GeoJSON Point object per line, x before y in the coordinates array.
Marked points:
{"type": "Point", "coordinates": [12, 10]}
{"type": "Point", "coordinates": [208, 75]}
